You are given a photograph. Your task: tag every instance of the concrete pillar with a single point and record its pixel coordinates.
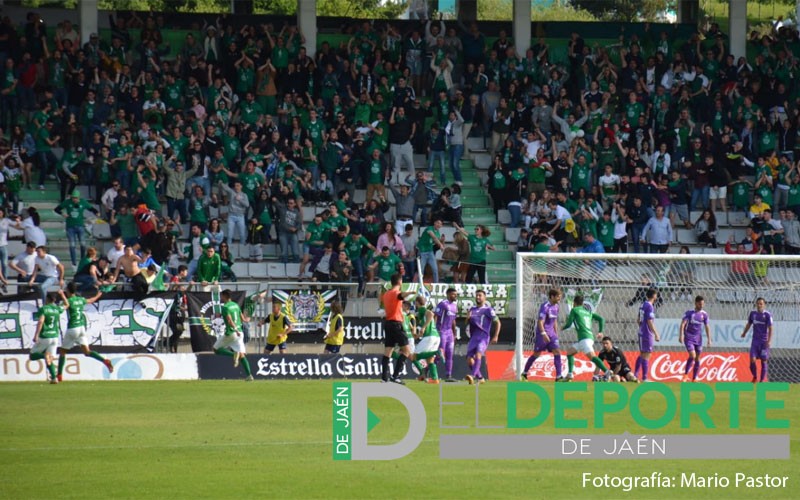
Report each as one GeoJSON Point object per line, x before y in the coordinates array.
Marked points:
{"type": "Point", "coordinates": [87, 18]}
{"type": "Point", "coordinates": [307, 23]}
{"type": "Point", "coordinates": [522, 26]}
{"type": "Point", "coordinates": [737, 27]}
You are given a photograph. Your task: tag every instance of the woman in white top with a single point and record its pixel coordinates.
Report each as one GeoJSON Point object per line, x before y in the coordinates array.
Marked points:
{"type": "Point", "coordinates": [30, 227]}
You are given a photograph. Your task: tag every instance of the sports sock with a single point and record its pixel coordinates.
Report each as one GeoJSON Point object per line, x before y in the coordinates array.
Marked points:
{"type": "Point", "coordinates": [35, 356]}
{"type": "Point", "coordinates": [448, 358]}
{"type": "Point", "coordinates": [763, 370]}
{"type": "Point", "coordinates": [689, 363]}
{"type": "Point", "coordinates": [530, 362]}
{"type": "Point", "coordinates": [638, 366]}
{"type": "Point", "coordinates": [395, 354]}
{"type": "Point", "coordinates": [419, 366]}
{"type": "Point", "coordinates": [52, 369]}
{"type": "Point", "coordinates": [63, 358]}
{"type": "Point", "coordinates": [476, 367]}
{"type": "Point", "coordinates": [645, 368]}
{"type": "Point", "coordinates": [246, 365]}
{"type": "Point", "coordinates": [571, 363]}
{"type": "Point", "coordinates": [434, 372]}
{"type": "Point", "coordinates": [557, 362]}
{"type": "Point", "coordinates": [696, 368]}
{"type": "Point", "coordinates": [385, 368]}
{"type": "Point", "coordinates": [753, 369]}
{"type": "Point", "coordinates": [398, 365]}
{"type": "Point", "coordinates": [599, 363]}
{"type": "Point", "coordinates": [224, 352]}
{"type": "Point", "coordinates": [95, 355]}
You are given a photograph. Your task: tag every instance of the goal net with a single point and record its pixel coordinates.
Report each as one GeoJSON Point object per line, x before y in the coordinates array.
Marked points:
{"type": "Point", "coordinates": [614, 286]}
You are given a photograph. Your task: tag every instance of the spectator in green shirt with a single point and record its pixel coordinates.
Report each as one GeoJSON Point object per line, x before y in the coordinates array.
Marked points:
{"type": "Point", "coordinates": [209, 267]}
{"type": "Point", "coordinates": [72, 210]}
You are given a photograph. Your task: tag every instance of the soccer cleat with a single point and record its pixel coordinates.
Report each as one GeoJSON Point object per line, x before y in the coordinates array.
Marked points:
{"type": "Point", "coordinates": [450, 380]}
{"type": "Point", "coordinates": [686, 378]}
{"type": "Point", "coordinates": [433, 381]}
{"type": "Point", "coordinates": [59, 377]}
{"type": "Point", "coordinates": [470, 380]}
{"type": "Point", "coordinates": [397, 380]}
{"type": "Point", "coordinates": [523, 377]}
{"type": "Point", "coordinates": [570, 376]}
{"type": "Point", "coordinates": [609, 375]}
{"type": "Point", "coordinates": [421, 378]}
{"type": "Point", "coordinates": [560, 379]}
{"type": "Point", "coordinates": [754, 380]}
{"type": "Point", "coordinates": [481, 380]}
{"type": "Point", "coordinates": [249, 378]}
{"type": "Point", "coordinates": [53, 380]}
{"type": "Point", "coordinates": [106, 362]}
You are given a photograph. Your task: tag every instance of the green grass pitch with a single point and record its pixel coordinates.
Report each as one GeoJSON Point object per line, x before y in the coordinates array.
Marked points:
{"type": "Point", "coordinates": [231, 439]}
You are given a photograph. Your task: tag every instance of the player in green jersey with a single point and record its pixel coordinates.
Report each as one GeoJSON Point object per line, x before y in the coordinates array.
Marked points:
{"type": "Point", "coordinates": [45, 340]}
{"type": "Point", "coordinates": [232, 343]}
{"type": "Point", "coordinates": [409, 327]}
{"type": "Point", "coordinates": [428, 347]}
{"type": "Point", "coordinates": [76, 328]}
{"type": "Point", "coordinates": [581, 317]}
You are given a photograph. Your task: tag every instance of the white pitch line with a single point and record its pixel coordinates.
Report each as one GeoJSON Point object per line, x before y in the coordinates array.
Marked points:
{"type": "Point", "coordinates": [188, 445]}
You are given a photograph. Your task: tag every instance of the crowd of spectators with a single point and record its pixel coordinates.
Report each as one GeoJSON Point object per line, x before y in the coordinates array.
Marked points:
{"type": "Point", "coordinates": [612, 145]}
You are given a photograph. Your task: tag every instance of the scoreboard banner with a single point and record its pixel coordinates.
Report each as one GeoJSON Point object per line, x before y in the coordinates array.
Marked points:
{"type": "Point", "coordinates": [116, 320]}
{"type": "Point", "coordinates": [311, 366]}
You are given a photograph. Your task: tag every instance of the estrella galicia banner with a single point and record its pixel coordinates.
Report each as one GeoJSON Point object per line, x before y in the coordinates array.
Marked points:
{"type": "Point", "coordinates": [117, 319]}
{"type": "Point", "coordinates": [308, 310]}
{"type": "Point", "coordinates": [312, 366]}
{"type": "Point", "coordinates": [205, 318]}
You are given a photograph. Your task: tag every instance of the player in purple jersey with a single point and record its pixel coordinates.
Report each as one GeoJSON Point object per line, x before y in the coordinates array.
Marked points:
{"type": "Point", "coordinates": [761, 321]}
{"type": "Point", "coordinates": [691, 335]}
{"type": "Point", "coordinates": [446, 313]}
{"type": "Point", "coordinates": [546, 334]}
{"type": "Point", "coordinates": [480, 321]}
{"type": "Point", "coordinates": [647, 333]}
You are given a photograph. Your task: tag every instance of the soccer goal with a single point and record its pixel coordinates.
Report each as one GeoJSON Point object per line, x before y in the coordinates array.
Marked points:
{"type": "Point", "coordinates": [614, 286]}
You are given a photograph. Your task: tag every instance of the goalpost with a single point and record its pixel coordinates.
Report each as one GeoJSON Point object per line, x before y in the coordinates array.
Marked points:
{"type": "Point", "coordinates": [614, 285]}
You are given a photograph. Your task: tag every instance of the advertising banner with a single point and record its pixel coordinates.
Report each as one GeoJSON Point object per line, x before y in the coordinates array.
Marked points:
{"type": "Point", "coordinates": [370, 330]}
{"type": "Point", "coordinates": [664, 366]}
{"type": "Point", "coordinates": [117, 319]}
{"type": "Point", "coordinates": [18, 368]}
{"type": "Point", "coordinates": [205, 318]}
{"type": "Point", "coordinates": [310, 366]}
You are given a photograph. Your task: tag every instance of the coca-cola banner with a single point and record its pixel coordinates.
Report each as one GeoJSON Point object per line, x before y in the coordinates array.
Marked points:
{"type": "Point", "coordinates": [310, 366]}
{"type": "Point", "coordinates": [664, 366]}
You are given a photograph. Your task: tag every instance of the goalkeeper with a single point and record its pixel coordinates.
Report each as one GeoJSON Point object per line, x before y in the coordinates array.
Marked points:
{"type": "Point", "coordinates": [582, 318]}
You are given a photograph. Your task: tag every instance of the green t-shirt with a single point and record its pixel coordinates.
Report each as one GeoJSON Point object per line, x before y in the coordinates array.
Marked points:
{"type": "Point", "coordinates": [231, 310]}
{"type": "Point", "coordinates": [477, 249]}
{"type": "Point", "coordinates": [231, 149]}
{"type": "Point", "coordinates": [42, 135]}
{"type": "Point", "coordinates": [794, 195]}
{"type": "Point", "coordinates": [75, 211]}
{"type": "Point", "coordinates": [251, 111]}
{"type": "Point", "coordinates": [317, 233]}
{"type": "Point", "coordinates": [315, 131]}
{"type": "Point", "coordinates": [425, 242]}
{"type": "Point", "coordinates": [605, 233]}
{"type": "Point", "coordinates": [431, 331]}
{"type": "Point", "coordinates": [353, 246]}
{"type": "Point", "coordinates": [766, 194]}
{"type": "Point", "coordinates": [250, 183]}
{"type": "Point", "coordinates": [127, 226]}
{"type": "Point", "coordinates": [51, 327]}
{"type": "Point", "coordinates": [198, 211]}
{"type": "Point", "coordinates": [75, 315]}
{"type": "Point", "coordinates": [375, 172]}
{"type": "Point", "coordinates": [208, 269]}
{"type": "Point", "coordinates": [582, 319]}
{"type": "Point", "coordinates": [387, 265]}
{"type": "Point", "coordinates": [581, 177]}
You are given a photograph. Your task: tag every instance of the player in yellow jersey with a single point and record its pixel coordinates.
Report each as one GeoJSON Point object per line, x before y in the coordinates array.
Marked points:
{"type": "Point", "coordinates": [279, 329]}
{"type": "Point", "coordinates": [335, 336]}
